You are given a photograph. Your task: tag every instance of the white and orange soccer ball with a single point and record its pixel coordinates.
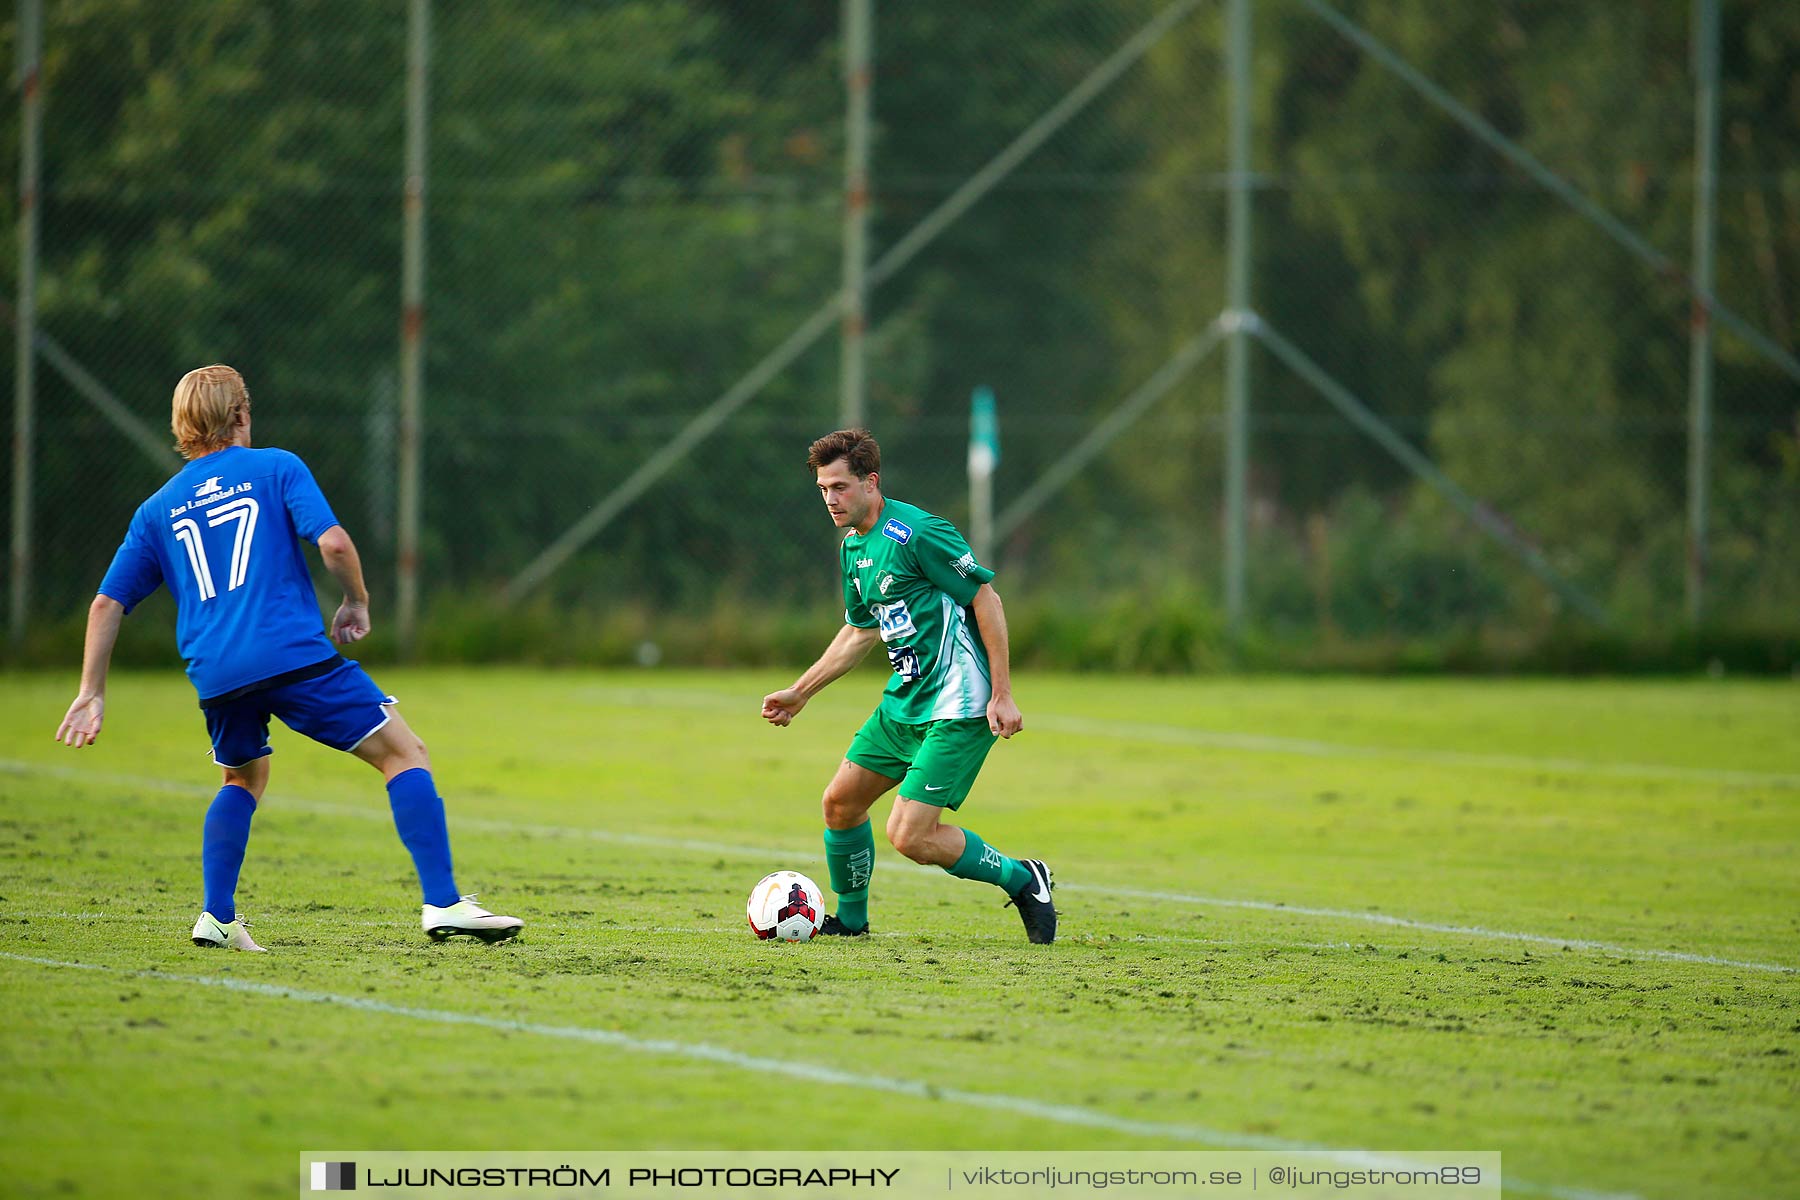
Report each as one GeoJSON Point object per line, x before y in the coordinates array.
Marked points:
{"type": "Point", "coordinates": [786, 905]}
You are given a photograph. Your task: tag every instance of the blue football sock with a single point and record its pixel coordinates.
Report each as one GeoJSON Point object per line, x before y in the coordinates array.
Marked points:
{"type": "Point", "coordinates": [419, 819]}
{"type": "Point", "coordinates": [222, 849]}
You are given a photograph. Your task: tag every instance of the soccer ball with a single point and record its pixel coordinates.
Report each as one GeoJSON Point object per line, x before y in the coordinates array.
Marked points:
{"type": "Point", "coordinates": [786, 905]}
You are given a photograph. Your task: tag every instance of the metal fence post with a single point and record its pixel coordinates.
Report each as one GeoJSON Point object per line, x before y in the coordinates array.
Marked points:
{"type": "Point", "coordinates": [1237, 348]}
{"type": "Point", "coordinates": [859, 37]}
{"type": "Point", "coordinates": [1700, 350]}
{"type": "Point", "coordinates": [31, 111]}
{"type": "Point", "coordinates": [412, 322]}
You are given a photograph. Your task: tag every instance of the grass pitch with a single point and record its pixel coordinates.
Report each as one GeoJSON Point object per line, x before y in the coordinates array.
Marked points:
{"type": "Point", "coordinates": [1558, 920]}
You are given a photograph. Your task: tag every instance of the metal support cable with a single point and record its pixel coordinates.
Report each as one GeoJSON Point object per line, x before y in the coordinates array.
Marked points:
{"type": "Point", "coordinates": [1035, 135]}
{"type": "Point", "coordinates": [673, 451]}
{"type": "Point", "coordinates": [1364, 418]}
{"type": "Point", "coordinates": [1555, 184]}
{"type": "Point", "coordinates": [155, 448]}
{"type": "Point", "coordinates": [820, 322]}
{"type": "Point", "coordinates": [1179, 366]}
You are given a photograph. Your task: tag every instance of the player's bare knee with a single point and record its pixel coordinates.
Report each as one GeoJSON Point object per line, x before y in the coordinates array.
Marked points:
{"type": "Point", "coordinates": [910, 841]}
{"type": "Point", "coordinates": [406, 753]}
{"type": "Point", "coordinates": [251, 781]}
{"type": "Point", "coordinates": [839, 812]}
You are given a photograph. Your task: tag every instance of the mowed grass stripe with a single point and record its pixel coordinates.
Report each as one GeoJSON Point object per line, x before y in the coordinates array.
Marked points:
{"type": "Point", "coordinates": [689, 845]}
{"type": "Point", "coordinates": [1262, 743]}
{"type": "Point", "coordinates": [1065, 1114]}
{"type": "Point", "coordinates": [1258, 743]}
{"type": "Point", "coordinates": [812, 1072]}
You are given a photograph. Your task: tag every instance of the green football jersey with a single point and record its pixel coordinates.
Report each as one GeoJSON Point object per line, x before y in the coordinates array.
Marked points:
{"type": "Point", "coordinates": [913, 577]}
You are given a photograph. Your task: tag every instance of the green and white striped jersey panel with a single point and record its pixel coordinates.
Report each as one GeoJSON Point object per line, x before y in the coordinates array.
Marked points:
{"type": "Point", "coordinates": [963, 686]}
{"type": "Point", "coordinates": [912, 577]}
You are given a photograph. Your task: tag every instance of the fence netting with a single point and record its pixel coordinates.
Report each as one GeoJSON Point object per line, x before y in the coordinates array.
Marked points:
{"type": "Point", "coordinates": [630, 205]}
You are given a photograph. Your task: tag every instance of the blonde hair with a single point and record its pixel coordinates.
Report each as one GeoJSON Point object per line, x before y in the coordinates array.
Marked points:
{"type": "Point", "coordinates": [205, 409]}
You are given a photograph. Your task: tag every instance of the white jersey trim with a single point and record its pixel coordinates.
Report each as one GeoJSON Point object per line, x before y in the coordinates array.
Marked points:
{"type": "Point", "coordinates": [267, 750]}
{"type": "Point", "coordinates": [965, 688]}
{"type": "Point", "coordinates": [386, 716]}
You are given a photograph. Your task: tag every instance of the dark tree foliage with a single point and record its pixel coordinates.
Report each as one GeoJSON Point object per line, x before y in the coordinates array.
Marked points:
{"type": "Point", "coordinates": [631, 203]}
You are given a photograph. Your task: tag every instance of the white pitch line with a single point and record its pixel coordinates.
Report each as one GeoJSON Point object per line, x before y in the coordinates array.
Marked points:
{"type": "Point", "coordinates": [1066, 1114]}
{"type": "Point", "coordinates": [735, 930]}
{"type": "Point", "coordinates": [1062, 1114]}
{"type": "Point", "coordinates": [724, 849]}
{"type": "Point", "coordinates": [1476, 931]}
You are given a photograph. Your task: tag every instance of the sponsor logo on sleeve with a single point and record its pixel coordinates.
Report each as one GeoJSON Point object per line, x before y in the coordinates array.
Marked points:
{"type": "Point", "coordinates": [964, 565]}
{"type": "Point", "coordinates": [898, 531]}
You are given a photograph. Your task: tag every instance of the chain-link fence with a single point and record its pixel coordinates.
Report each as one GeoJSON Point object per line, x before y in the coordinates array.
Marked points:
{"type": "Point", "coordinates": [631, 206]}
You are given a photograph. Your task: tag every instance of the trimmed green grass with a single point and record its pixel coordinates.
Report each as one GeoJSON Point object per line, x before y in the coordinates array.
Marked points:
{"type": "Point", "coordinates": [626, 815]}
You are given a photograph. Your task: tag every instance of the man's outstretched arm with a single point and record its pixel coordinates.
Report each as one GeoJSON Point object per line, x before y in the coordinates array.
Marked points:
{"type": "Point", "coordinates": [846, 650]}
{"type": "Point", "coordinates": [81, 725]}
{"type": "Point", "coordinates": [352, 620]}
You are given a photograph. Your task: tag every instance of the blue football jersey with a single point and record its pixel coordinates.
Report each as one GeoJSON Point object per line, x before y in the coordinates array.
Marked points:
{"type": "Point", "coordinates": [224, 534]}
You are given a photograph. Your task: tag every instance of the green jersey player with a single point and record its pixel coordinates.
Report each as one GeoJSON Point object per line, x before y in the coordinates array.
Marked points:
{"type": "Point", "coordinates": [911, 582]}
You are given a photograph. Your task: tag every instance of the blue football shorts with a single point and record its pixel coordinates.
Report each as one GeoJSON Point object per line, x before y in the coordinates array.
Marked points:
{"type": "Point", "coordinates": [339, 709]}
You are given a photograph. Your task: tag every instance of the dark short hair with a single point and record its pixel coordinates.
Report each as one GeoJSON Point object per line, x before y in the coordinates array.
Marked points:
{"type": "Point", "coordinates": [856, 447]}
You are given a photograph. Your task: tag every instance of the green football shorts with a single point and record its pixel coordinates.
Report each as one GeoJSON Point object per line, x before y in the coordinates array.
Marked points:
{"type": "Point", "coordinates": [936, 763]}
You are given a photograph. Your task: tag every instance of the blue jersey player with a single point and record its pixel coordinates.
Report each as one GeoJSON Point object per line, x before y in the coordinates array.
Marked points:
{"type": "Point", "coordinates": [225, 535]}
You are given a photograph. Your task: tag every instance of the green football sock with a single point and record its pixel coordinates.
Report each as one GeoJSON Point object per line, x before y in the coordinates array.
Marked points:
{"type": "Point", "coordinates": [981, 861]}
{"type": "Point", "coordinates": [850, 854]}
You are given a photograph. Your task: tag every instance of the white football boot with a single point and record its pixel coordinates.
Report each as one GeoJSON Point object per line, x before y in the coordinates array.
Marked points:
{"type": "Point", "coordinates": [470, 919]}
{"type": "Point", "coordinates": [227, 935]}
